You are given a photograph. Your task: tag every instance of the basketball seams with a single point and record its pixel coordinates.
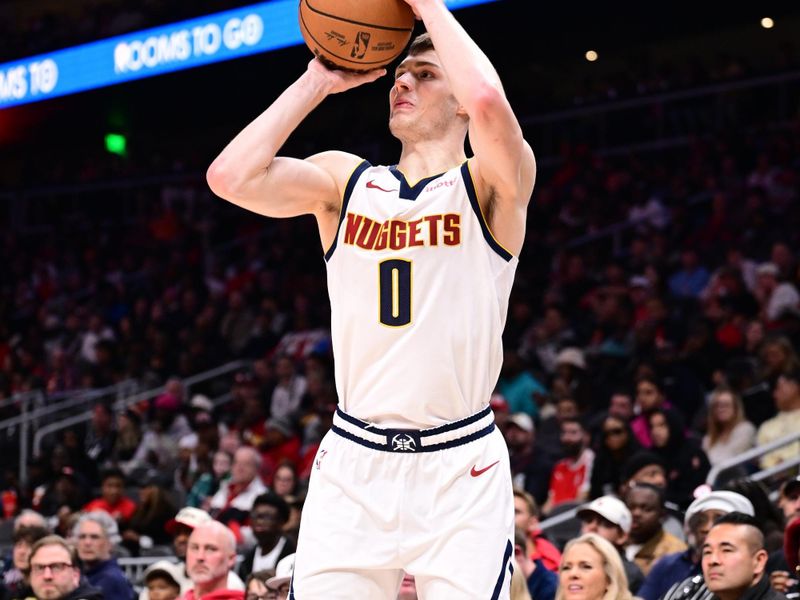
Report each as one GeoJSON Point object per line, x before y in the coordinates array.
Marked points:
{"type": "Point", "coordinates": [357, 42]}
{"type": "Point", "coordinates": [352, 22]}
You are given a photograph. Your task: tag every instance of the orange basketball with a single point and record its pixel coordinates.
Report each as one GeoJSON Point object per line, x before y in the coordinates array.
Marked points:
{"type": "Point", "coordinates": [357, 35]}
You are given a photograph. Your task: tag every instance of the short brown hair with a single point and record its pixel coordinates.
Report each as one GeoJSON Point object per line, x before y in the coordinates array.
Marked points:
{"type": "Point", "coordinates": [55, 540]}
{"type": "Point", "coordinates": [421, 43]}
{"type": "Point", "coordinates": [529, 500]}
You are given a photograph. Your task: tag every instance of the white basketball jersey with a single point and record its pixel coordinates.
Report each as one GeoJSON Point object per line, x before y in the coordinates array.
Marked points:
{"type": "Point", "coordinates": [419, 294]}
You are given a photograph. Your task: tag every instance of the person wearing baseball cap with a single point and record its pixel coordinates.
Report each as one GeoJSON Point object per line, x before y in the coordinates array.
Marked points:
{"type": "Point", "coordinates": [181, 526]}
{"type": "Point", "coordinates": [608, 517]}
{"type": "Point", "coordinates": [700, 516]}
{"type": "Point", "coordinates": [283, 576]}
{"type": "Point", "coordinates": [164, 580]}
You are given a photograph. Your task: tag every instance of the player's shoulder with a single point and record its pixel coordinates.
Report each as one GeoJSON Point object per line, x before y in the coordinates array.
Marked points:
{"type": "Point", "coordinates": [336, 162]}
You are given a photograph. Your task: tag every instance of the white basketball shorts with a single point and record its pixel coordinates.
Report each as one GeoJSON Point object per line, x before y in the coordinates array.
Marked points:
{"type": "Point", "coordinates": [436, 503]}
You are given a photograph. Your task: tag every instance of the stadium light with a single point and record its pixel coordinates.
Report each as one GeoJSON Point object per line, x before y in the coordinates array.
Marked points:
{"type": "Point", "coordinates": [116, 143]}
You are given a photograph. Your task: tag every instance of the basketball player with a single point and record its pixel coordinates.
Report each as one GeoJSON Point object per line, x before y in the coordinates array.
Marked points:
{"type": "Point", "coordinates": [421, 257]}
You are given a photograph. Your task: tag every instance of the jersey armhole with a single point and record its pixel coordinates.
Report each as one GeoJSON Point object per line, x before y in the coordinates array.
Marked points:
{"type": "Point", "coordinates": [348, 191]}
{"type": "Point", "coordinates": [469, 184]}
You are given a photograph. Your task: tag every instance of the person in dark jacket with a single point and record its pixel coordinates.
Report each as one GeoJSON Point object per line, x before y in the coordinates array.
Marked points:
{"type": "Point", "coordinates": [615, 446]}
{"type": "Point", "coordinates": [686, 463]}
{"type": "Point", "coordinates": [55, 574]}
{"type": "Point", "coordinates": [734, 560]}
{"type": "Point", "coordinates": [16, 580]}
{"type": "Point", "coordinates": [542, 583]}
{"type": "Point", "coordinates": [97, 533]}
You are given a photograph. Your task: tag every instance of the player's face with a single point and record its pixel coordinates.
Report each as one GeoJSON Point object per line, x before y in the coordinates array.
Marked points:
{"type": "Point", "coordinates": [421, 100]}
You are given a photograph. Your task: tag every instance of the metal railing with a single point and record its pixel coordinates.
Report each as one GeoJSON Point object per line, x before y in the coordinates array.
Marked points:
{"type": "Point", "coordinates": [36, 406]}
{"type": "Point", "coordinates": [757, 452]}
{"type": "Point", "coordinates": [124, 402]}
{"type": "Point", "coordinates": [711, 479]}
{"type": "Point", "coordinates": [664, 117]}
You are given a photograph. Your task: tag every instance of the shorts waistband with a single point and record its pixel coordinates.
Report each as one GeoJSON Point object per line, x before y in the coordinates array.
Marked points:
{"type": "Point", "coordinates": [406, 441]}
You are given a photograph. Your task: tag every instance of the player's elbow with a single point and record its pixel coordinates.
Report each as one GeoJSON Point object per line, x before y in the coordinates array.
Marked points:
{"type": "Point", "coordinates": [487, 98]}
{"type": "Point", "coordinates": [221, 179]}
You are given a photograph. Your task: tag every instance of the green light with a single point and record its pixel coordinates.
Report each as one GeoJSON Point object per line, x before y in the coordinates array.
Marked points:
{"type": "Point", "coordinates": [116, 143]}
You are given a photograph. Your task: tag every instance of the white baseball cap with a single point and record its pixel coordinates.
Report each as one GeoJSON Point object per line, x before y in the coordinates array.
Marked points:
{"type": "Point", "coordinates": [610, 508]}
{"type": "Point", "coordinates": [189, 516]}
{"type": "Point", "coordinates": [521, 420]}
{"type": "Point", "coordinates": [283, 572]}
{"type": "Point", "coordinates": [571, 356]}
{"type": "Point", "coordinates": [173, 570]}
{"type": "Point", "coordinates": [722, 500]}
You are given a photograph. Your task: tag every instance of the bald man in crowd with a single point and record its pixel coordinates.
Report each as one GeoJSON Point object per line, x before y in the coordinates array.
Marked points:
{"type": "Point", "coordinates": [210, 556]}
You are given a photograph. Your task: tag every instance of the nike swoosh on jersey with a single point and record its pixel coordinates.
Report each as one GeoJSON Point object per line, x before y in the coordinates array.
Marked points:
{"type": "Point", "coordinates": [476, 472]}
{"type": "Point", "coordinates": [373, 186]}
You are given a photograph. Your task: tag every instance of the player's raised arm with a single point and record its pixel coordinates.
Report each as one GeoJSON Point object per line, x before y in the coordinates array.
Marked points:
{"type": "Point", "coordinates": [504, 167]}
{"type": "Point", "coordinates": [248, 173]}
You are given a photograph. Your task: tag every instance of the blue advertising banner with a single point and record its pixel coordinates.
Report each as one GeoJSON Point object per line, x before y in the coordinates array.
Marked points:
{"type": "Point", "coordinates": [192, 43]}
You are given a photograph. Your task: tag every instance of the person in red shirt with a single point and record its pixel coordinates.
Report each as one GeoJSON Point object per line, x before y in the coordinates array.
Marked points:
{"type": "Point", "coordinates": [526, 518]}
{"type": "Point", "coordinates": [112, 497]}
{"type": "Point", "coordinates": [572, 475]}
{"type": "Point", "coordinates": [210, 556]}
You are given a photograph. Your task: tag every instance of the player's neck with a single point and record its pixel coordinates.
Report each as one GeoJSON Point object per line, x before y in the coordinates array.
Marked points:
{"type": "Point", "coordinates": [424, 159]}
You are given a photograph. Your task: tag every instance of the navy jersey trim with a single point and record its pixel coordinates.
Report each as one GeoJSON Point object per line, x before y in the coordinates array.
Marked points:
{"type": "Point", "coordinates": [348, 191]}
{"type": "Point", "coordinates": [390, 434]}
{"type": "Point", "coordinates": [411, 192]}
{"type": "Point", "coordinates": [421, 432]}
{"type": "Point", "coordinates": [476, 208]}
{"type": "Point", "coordinates": [506, 558]}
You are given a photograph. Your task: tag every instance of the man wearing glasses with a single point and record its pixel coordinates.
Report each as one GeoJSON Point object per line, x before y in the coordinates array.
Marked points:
{"type": "Point", "coordinates": [54, 574]}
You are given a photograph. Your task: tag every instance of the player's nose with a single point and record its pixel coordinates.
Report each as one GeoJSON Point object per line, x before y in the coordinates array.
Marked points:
{"type": "Point", "coordinates": [403, 82]}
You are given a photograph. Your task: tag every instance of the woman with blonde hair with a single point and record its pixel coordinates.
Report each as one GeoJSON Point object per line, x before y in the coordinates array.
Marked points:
{"type": "Point", "coordinates": [591, 569]}
{"type": "Point", "coordinates": [728, 433]}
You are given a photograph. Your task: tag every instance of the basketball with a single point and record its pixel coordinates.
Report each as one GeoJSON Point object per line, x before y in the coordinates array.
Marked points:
{"type": "Point", "coordinates": [356, 35]}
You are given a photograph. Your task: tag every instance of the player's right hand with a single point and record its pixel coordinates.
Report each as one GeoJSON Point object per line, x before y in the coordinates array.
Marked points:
{"type": "Point", "coordinates": [340, 80]}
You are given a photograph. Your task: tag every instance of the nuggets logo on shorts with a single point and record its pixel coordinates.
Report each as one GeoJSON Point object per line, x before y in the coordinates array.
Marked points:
{"type": "Point", "coordinates": [403, 442]}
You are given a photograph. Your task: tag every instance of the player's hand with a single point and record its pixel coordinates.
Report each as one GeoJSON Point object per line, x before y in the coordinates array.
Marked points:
{"type": "Point", "coordinates": [414, 6]}
{"type": "Point", "coordinates": [339, 80]}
